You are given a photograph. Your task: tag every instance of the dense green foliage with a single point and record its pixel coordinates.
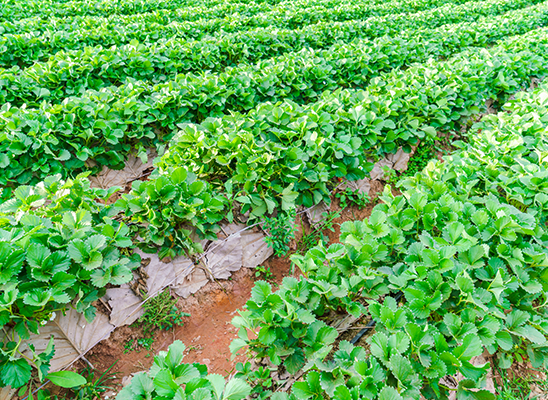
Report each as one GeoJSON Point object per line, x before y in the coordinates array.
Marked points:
{"type": "Point", "coordinates": [283, 155]}
{"type": "Point", "coordinates": [58, 248]}
{"type": "Point", "coordinates": [257, 108]}
{"type": "Point", "coordinates": [232, 48]}
{"type": "Point", "coordinates": [473, 270]}
{"type": "Point", "coordinates": [471, 266]}
{"type": "Point", "coordinates": [34, 45]}
{"type": "Point", "coordinates": [104, 126]}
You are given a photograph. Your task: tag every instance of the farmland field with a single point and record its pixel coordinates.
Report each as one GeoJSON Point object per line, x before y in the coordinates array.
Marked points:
{"type": "Point", "coordinates": [303, 199]}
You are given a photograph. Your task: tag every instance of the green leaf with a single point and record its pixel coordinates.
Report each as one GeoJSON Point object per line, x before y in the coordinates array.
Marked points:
{"type": "Point", "coordinates": [4, 160]}
{"type": "Point", "coordinates": [464, 392]}
{"type": "Point", "coordinates": [309, 388]}
{"type": "Point", "coordinates": [497, 286]}
{"type": "Point", "coordinates": [530, 333]}
{"type": "Point", "coordinates": [236, 345]}
{"type": "Point", "coordinates": [37, 297]}
{"type": "Point", "coordinates": [66, 379]}
{"type": "Point", "coordinates": [267, 335]}
{"type": "Point", "coordinates": [471, 347]}
{"type": "Point", "coordinates": [78, 251]}
{"type": "Point", "coordinates": [403, 370]}
{"type": "Point", "coordinates": [178, 175]}
{"type": "Point", "coordinates": [260, 292]}
{"type": "Point", "coordinates": [295, 361]}
{"type": "Point", "coordinates": [16, 373]}
{"type": "Point", "coordinates": [236, 389]}
{"type": "Point", "coordinates": [464, 283]}
{"type": "Point", "coordinates": [175, 354]}
{"type": "Point", "coordinates": [516, 318]}
{"type": "Point", "coordinates": [36, 254]}
{"type": "Point", "coordinates": [389, 393]}
{"type": "Point", "coordinates": [504, 340]}
{"type": "Point", "coordinates": [218, 383]}
{"type": "Point", "coordinates": [430, 131]}
{"type": "Point", "coordinates": [288, 198]}
{"type": "Point", "coordinates": [165, 384]}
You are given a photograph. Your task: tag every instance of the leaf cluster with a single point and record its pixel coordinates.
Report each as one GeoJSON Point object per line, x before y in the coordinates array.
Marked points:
{"type": "Point", "coordinates": [59, 248]}
{"type": "Point", "coordinates": [170, 378]}
{"type": "Point", "coordinates": [104, 121]}
{"type": "Point", "coordinates": [471, 266]}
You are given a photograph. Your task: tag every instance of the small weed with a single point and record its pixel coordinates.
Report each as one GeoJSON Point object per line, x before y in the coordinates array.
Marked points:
{"type": "Point", "coordinates": [390, 175]}
{"type": "Point", "coordinates": [264, 273]}
{"type": "Point", "coordinates": [420, 159]}
{"type": "Point", "coordinates": [355, 197]}
{"type": "Point", "coordinates": [160, 313]}
{"type": "Point", "coordinates": [146, 343]}
{"type": "Point", "coordinates": [137, 345]}
{"type": "Point", "coordinates": [129, 346]}
{"type": "Point", "coordinates": [423, 154]}
{"type": "Point", "coordinates": [93, 388]}
{"type": "Point", "coordinates": [317, 233]}
{"type": "Point", "coordinates": [259, 379]}
{"type": "Point", "coordinates": [518, 387]}
{"type": "Point", "coordinates": [280, 232]}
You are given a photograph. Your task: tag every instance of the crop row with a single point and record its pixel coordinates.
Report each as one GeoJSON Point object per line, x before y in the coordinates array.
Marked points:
{"type": "Point", "coordinates": [58, 250]}
{"type": "Point", "coordinates": [214, 53]}
{"type": "Point", "coordinates": [472, 285]}
{"type": "Point", "coordinates": [298, 76]}
{"type": "Point", "coordinates": [103, 125]}
{"type": "Point", "coordinates": [40, 24]}
{"type": "Point", "coordinates": [229, 17]}
{"type": "Point", "coordinates": [472, 268]}
{"type": "Point", "coordinates": [284, 155]}
{"type": "Point", "coordinates": [14, 10]}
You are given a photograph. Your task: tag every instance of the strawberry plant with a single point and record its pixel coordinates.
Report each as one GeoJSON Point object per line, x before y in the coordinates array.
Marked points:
{"type": "Point", "coordinates": [59, 248]}
{"type": "Point", "coordinates": [469, 265]}
{"type": "Point", "coordinates": [170, 378]}
{"type": "Point", "coordinates": [259, 379]}
{"type": "Point", "coordinates": [184, 200]}
{"type": "Point", "coordinates": [122, 119]}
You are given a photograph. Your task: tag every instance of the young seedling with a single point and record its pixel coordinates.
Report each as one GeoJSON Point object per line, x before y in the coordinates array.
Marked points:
{"type": "Point", "coordinates": [280, 232]}
{"type": "Point", "coordinates": [263, 272]}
